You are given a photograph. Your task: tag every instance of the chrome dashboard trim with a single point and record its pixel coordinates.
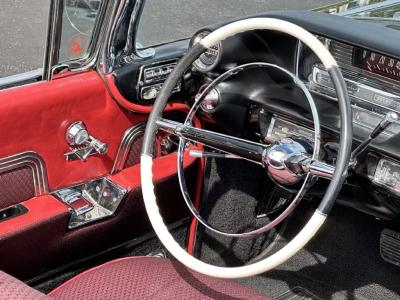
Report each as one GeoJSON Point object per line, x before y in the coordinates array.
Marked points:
{"type": "Point", "coordinates": [394, 129]}
{"type": "Point", "coordinates": [272, 125]}
{"type": "Point", "coordinates": [343, 53]}
{"type": "Point", "coordinates": [32, 160]}
{"type": "Point", "coordinates": [130, 135]}
{"type": "Point", "coordinates": [358, 90]}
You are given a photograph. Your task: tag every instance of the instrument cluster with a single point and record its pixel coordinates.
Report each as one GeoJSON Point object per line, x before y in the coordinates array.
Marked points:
{"type": "Point", "coordinates": [371, 79]}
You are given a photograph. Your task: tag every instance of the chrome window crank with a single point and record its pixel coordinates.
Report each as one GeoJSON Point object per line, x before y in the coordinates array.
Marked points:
{"type": "Point", "coordinates": [81, 143]}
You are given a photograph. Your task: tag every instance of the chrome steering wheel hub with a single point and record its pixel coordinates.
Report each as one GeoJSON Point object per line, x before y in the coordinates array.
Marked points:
{"type": "Point", "coordinates": [283, 161]}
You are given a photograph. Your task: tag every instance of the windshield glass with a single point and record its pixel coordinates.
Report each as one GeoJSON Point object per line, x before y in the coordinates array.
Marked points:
{"type": "Point", "coordinates": [377, 9]}
{"type": "Point", "coordinates": [164, 21]}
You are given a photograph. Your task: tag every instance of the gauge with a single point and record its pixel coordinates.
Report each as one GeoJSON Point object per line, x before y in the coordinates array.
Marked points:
{"type": "Point", "coordinates": [377, 63]}
{"type": "Point", "coordinates": [210, 58]}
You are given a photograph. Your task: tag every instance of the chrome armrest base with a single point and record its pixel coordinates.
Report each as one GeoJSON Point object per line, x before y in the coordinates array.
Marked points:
{"type": "Point", "coordinates": [91, 201]}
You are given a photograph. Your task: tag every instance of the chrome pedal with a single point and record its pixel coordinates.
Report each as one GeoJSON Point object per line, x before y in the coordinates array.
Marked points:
{"type": "Point", "coordinates": [390, 246]}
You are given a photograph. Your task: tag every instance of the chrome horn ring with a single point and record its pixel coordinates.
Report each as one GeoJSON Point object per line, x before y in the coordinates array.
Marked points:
{"type": "Point", "coordinates": [268, 155]}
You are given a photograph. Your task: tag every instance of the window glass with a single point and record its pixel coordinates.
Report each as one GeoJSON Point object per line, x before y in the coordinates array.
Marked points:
{"type": "Point", "coordinates": [164, 21]}
{"type": "Point", "coordinates": [23, 31]}
{"type": "Point", "coordinates": [79, 19]}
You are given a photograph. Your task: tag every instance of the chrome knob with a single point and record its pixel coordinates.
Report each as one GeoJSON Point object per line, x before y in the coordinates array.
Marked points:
{"type": "Point", "coordinates": [210, 101]}
{"type": "Point", "coordinates": [81, 143]}
{"type": "Point", "coordinates": [77, 134]}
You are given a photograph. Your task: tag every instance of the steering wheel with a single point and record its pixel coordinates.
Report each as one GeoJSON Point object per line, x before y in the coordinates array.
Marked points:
{"type": "Point", "coordinates": [286, 161]}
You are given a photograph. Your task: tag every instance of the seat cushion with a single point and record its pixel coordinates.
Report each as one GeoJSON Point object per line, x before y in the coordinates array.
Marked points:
{"type": "Point", "coordinates": [149, 278]}
{"type": "Point", "coordinates": [13, 289]}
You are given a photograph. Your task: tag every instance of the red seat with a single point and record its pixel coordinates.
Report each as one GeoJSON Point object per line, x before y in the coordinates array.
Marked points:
{"type": "Point", "coordinates": [137, 278]}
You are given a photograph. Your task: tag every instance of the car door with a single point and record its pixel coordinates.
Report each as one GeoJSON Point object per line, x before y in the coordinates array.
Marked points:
{"type": "Point", "coordinates": [69, 152]}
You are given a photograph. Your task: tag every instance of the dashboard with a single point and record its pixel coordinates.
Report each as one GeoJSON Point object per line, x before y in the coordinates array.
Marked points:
{"type": "Point", "coordinates": [265, 106]}
{"type": "Point", "coordinates": [373, 81]}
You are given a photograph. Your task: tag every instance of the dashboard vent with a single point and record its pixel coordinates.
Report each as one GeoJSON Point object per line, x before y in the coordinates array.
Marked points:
{"type": "Point", "coordinates": [343, 53]}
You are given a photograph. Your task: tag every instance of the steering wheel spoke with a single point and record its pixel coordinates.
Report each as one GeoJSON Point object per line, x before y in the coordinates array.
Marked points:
{"type": "Point", "coordinates": [209, 154]}
{"type": "Point", "coordinates": [238, 147]}
{"type": "Point", "coordinates": [318, 168]}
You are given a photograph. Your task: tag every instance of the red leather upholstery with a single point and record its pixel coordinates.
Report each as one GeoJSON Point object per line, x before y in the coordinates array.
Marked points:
{"type": "Point", "coordinates": [149, 278]}
{"type": "Point", "coordinates": [35, 118]}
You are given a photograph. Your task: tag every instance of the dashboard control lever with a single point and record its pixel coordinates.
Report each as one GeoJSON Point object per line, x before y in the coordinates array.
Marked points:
{"type": "Point", "coordinates": [389, 119]}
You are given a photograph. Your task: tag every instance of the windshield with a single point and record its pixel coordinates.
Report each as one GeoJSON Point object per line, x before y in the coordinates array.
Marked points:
{"type": "Point", "coordinates": [164, 21]}
{"type": "Point", "coordinates": [374, 9]}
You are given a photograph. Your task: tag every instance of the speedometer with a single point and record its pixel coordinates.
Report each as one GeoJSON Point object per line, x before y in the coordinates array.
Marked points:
{"type": "Point", "coordinates": [210, 58]}
{"type": "Point", "coordinates": [377, 63]}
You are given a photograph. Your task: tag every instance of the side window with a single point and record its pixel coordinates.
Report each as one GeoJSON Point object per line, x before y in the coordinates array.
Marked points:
{"type": "Point", "coordinates": [79, 20]}
{"type": "Point", "coordinates": [23, 33]}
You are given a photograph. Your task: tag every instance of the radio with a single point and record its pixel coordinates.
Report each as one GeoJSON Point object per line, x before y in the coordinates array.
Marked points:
{"type": "Point", "coordinates": [151, 80]}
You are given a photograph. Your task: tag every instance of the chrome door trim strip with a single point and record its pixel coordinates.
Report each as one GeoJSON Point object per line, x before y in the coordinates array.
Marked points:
{"type": "Point", "coordinates": [89, 60]}
{"type": "Point", "coordinates": [53, 41]}
{"type": "Point", "coordinates": [12, 80]}
{"type": "Point", "coordinates": [127, 140]}
{"type": "Point", "coordinates": [32, 160]}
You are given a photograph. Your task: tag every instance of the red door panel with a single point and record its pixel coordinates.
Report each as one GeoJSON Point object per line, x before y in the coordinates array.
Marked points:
{"type": "Point", "coordinates": [35, 118]}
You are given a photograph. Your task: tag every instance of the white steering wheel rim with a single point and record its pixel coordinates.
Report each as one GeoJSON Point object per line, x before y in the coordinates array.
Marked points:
{"type": "Point", "coordinates": [146, 161]}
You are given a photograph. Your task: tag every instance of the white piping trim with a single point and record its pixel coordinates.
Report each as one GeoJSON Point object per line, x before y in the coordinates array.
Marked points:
{"type": "Point", "coordinates": [298, 242]}
{"type": "Point", "coordinates": [271, 24]}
